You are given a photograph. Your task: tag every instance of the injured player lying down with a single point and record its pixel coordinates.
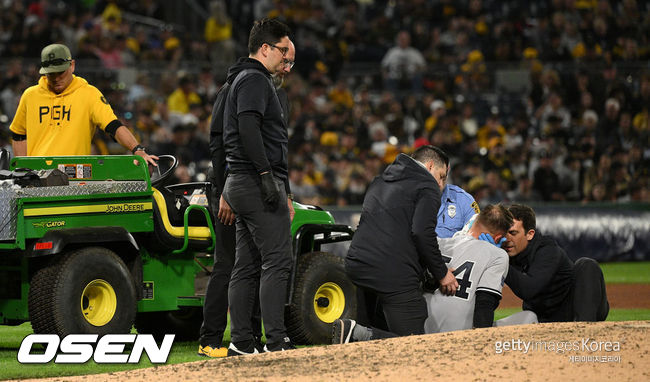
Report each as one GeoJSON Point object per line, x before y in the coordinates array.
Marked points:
{"type": "Point", "coordinates": [480, 266]}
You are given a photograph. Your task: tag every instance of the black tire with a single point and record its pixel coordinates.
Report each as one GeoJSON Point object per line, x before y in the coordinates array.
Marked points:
{"type": "Point", "coordinates": [185, 323]}
{"type": "Point", "coordinates": [322, 294]}
{"type": "Point", "coordinates": [62, 295]}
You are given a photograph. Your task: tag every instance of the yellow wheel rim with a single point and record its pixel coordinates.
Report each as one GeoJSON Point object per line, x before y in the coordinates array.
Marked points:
{"type": "Point", "coordinates": [329, 302]}
{"type": "Point", "coordinates": [98, 302]}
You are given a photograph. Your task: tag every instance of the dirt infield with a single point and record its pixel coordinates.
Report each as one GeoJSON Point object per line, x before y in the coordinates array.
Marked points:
{"type": "Point", "coordinates": [604, 351]}
{"type": "Point", "coordinates": [620, 296]}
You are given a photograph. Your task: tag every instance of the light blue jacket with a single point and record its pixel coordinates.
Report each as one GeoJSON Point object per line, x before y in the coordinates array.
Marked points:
{"type": "Point", "coordinates": [456, 208]}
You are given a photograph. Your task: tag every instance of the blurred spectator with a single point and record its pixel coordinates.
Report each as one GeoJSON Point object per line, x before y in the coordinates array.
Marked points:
{"type": "Point", "coordinates": [403, 65]}
{"type": "Point", "coordinates": [546, 181]}
{"type": "Point", "coordinates": [438, 110]}
{"type": "Point", "coordinates": [303, 192]}
{"type": "Point", "coordinates": [10, 96]}
{"type": "Point", "coordinates": [606, 133]}
{"type": "Point", "coordinates": [599, 173]}
{"type": "Point", "coordinates": [218, 34]}
{"type": "Point", "coordinates": [492, 133]}
{"type": "Point", "coordinates": [355, 190]}
{"type": "Point", "coordinates": [524, 193]}
{"type": "Point", "coordinates": [183, 97]}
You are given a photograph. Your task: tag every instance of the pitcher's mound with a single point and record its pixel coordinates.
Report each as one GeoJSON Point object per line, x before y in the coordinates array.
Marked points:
{"type": "Point", "coordinates": [604, 351]}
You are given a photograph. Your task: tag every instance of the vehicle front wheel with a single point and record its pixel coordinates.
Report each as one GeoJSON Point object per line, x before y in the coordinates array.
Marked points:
{"type": "Point", "coordinates": [323, 293]}
{"type": "Point", "coordinates": [87, 291]}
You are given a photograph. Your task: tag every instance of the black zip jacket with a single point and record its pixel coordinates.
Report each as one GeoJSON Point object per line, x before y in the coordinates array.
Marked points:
{"type": "Point", "coordinates": [542, 276]}
{"type": "Point", "coordinates": [217, 151]}
{"type": "Point", "coordinates": [254, 129]}
{"type": "Point", "coordinates": [396, 238]}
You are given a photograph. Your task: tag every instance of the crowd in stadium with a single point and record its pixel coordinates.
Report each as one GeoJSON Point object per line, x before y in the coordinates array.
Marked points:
{"type": "Point", "coordinates": [375, 78]}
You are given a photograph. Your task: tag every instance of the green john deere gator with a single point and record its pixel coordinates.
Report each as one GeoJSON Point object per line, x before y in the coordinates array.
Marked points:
{"type": "Point", "coordinates": [94, 244]}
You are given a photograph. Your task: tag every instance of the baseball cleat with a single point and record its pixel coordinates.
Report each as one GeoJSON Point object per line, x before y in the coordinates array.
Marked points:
{"type": "Point", "coordinates": [283, 345]}
{"type": "Point", "coordinates": [212, 351]}
{"type": "Point", "coordinates": [342, 331]}
{"type": "Point", "coordinates": [245, 350]}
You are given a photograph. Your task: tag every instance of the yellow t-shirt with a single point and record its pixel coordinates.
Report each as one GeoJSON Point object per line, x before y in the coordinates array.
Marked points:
{"type": "Point", "coordinates": [217, 32]}
{"type": "Point", "coordinates": [61, 124]}
{"type": "Point", "coordinates": [180, 102]}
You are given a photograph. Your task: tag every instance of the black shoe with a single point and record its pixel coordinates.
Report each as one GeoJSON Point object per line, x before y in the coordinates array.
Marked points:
{"type": "Point", "coordinates": [342, 331]}
{"type": "Point", "coordinates": [244, 348]}
{"type": "Point", "coordinates": [283, 345]}
{"type": "Point", "coordinates": [258, 344]}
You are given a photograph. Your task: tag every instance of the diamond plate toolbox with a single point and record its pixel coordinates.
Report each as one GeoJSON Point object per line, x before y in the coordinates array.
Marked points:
{"type": "Point", "coordinates": [10, 193]}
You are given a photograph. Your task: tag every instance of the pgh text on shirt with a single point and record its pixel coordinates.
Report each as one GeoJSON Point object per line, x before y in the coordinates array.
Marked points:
{"type": "Point", "coordinates": [62, 124]}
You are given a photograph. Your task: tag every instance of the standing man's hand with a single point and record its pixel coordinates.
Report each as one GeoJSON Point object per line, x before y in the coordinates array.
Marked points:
{"type": "Point", "coordinates": [270, 190]}
{"type": "Point", "coordinates": [225, 215]}
{"type": "Point", "coordinates": [124, 137]}
{"type": "Point", "coordinates": [292, 212]}
{"type": "Point", "coordinates": [449, 284]}
{"type": "Point", "coordinates": [149, 159]}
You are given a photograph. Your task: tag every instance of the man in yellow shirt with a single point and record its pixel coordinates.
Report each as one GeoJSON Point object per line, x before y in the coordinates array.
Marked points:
{"type": "Point", "coordinates": [183, 97]}
{"type": "Point", "coordinates": [60, 114]}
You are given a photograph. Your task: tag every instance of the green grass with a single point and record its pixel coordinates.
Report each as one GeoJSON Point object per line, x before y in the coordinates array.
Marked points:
{"type": "Point", "coordinates": [626, 273]}
{"type": "Point", "coordinates": [614, 314]}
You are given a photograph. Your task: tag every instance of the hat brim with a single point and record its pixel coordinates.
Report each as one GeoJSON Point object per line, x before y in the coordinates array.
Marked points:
{"type": "Point", "coordinates": [55, 69]}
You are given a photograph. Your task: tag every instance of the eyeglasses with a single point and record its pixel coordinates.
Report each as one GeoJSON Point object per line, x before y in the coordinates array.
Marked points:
{"type": "Point", "coordinates": [288, 63]}
{"type": "Point", "coordinates": [54, 62]}
{"type": "Point", "coordinates": [283, 49]}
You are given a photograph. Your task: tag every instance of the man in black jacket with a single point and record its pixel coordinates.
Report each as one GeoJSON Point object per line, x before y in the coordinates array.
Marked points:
{"type": "Point", "coordinates": [255, 140]}
{"type": "Point", "coordinates": [547, 281]}
{"type": "Point", "coordinates": [215, 307]}
{"type": "Point", "coordinates": [396, 242]}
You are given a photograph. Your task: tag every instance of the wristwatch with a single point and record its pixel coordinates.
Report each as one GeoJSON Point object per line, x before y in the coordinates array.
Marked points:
{"type": "Point", "coordinates": [290, 196]}
{"type": "Point", "coordinates": [137, 148]}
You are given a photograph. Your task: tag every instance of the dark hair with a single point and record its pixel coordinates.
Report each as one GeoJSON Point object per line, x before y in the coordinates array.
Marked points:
{"type": "Point", "coordinates": [269, 31]}
{"type": "Point", "coordinates": [431, 153]}
{"type": "Point", "coordinates": [496, 218]}
{"type": "Point", "coordinates": [525, 214]}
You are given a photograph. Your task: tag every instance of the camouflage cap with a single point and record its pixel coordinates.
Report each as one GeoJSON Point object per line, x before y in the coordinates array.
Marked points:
{"type": "Point", "coordinates": [55, 58]}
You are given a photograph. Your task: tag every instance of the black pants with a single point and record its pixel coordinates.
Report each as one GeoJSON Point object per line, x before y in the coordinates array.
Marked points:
{"type": "Point", "coordinates": [588, 302]}
{"type": "Point", "coordinates": [263, 255]}
{"type": "Point", "coordinates": [589, 296]}
{"type": "Point", "coordinates": [215, 306]}
{"type": "Point", "coordinates": [393, 314]}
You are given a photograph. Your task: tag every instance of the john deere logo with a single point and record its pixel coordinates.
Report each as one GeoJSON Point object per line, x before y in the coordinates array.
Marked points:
{"type": "Point", "coordinates": [52, 224]}
{"type": "Point", "coordinates": [126, 207]}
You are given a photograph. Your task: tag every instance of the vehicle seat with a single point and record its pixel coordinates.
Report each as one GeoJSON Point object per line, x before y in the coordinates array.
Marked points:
{"type": "Point", "coordinates": [169, 232]}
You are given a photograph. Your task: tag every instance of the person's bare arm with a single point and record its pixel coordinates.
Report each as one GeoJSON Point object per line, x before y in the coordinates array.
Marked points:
{"type": "Point", "coordinates": [124, 137]}
{"type": "Point", "coordinates": [20, 148]}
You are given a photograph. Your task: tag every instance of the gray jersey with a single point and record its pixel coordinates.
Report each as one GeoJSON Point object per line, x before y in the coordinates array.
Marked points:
{"type": "Point", "coordinates": [479, 266]}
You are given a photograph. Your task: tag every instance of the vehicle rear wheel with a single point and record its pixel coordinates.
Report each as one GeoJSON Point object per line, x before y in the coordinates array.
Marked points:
{"type": "Point", "coordinates": [185, 323]}
{"type": "Point", "coordinates": [88, 291]}
{"type": "Point", "coordinates": [322, 294]}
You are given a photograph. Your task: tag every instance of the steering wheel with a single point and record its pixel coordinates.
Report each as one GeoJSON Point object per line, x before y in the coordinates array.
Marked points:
{"type": "Point", "coordinates": [168, 163]}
